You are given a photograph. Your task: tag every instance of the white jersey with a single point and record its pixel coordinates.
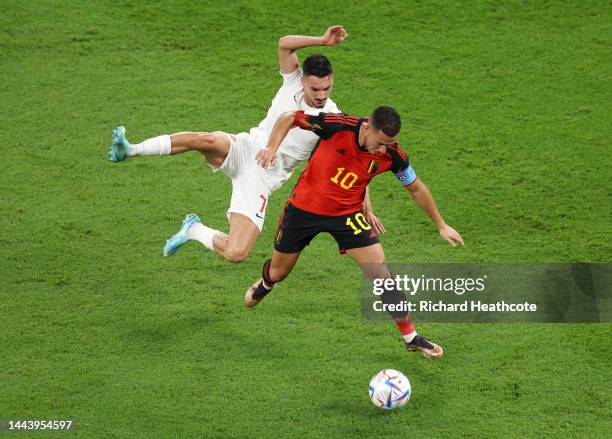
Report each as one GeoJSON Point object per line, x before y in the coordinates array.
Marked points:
{"type": "Point", "coordinates": [298, 144]}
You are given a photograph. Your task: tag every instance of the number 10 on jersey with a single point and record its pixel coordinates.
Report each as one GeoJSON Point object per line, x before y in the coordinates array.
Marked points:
{"type": "Point", "coordinates": [347, 181]}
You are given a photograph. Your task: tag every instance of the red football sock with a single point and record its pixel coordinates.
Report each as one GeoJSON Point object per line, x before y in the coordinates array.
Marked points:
{"type": "Point", "coordinates": [407, 330]}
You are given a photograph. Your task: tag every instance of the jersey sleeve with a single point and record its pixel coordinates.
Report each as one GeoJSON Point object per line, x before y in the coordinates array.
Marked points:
{"type": "Point", "coordinates": [400, 166]}
{"type": "Point", "coordinates": [292, 78]}
{"type": "Point", "coordinates": [325, 125]}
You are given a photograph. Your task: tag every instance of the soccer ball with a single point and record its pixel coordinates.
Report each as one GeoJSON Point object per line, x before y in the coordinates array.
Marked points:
{"type": "Point", "coordinates": [389, 389]}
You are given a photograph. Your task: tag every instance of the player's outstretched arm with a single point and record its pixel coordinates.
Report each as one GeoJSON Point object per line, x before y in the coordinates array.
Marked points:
{"type": "Point", "coordinates": [421, 195]}
{"type": "Point", "coordinates": [283, 124]}
{"type": "Point", "coordinates": [289, 44]}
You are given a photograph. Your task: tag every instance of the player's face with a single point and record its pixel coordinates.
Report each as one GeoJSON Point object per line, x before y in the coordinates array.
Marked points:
{"type": "Point", "coordinates": [376, 142]}
{"type": "Point", "coordinates": [317, 90]}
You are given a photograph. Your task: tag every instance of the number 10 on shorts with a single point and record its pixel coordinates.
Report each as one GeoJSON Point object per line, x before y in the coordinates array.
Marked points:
{"type": "Point", "coordinates": [361, 221]}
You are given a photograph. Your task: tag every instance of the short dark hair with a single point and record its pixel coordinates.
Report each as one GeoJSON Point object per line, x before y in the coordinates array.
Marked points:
{"type": "Point", "coordinates": [387, 120]}
{"type": "Point", "coordinates": [317, 65]}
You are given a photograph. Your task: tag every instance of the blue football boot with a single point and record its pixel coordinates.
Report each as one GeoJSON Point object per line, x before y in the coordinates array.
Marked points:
{"type": "Point", "coordinates": [119, 147]}
{"type": "Point", "coordinates": [180, 237]}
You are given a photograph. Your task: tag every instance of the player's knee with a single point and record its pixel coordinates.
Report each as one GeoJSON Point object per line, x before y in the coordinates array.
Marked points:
{"type": "Point", "coordinates": [237, 254]}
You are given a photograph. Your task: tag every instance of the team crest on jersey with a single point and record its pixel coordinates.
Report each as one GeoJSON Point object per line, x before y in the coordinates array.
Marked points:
{"type": "Point", "coordinates": [373, 166]}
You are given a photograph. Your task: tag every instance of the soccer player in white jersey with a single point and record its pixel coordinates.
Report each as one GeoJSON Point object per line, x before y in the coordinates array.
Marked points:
{"type": "Point", "coordinates": [307, 90]}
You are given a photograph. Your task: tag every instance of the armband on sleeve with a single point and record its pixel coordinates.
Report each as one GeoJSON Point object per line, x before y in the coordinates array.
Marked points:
{"type": "Point", "coordinates": [407, 176]}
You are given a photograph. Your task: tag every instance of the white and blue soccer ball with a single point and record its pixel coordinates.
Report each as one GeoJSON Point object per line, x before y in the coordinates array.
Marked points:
{"type": "Point", "coordinates": [389, 389]}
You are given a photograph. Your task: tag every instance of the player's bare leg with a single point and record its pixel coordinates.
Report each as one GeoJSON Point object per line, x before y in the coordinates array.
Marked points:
{"type": "Point", "coordinates": [214, 146]}
{"type": "Point", "coordinates": [234, 247]}
{"type": "Point", "coordinates": [281, 265]}
{"type": "Point", "coordinates": [237, 245]}
{"type": "Point", "coordinates": [274, 270]}
{"type": "Point", "coordinates": [371, 259]}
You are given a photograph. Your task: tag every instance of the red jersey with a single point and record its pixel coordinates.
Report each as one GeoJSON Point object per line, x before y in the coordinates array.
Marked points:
{"type": "Point", "coordinates": [339, 170]}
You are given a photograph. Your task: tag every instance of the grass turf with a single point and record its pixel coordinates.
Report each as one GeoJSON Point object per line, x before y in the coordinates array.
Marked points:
{"type": "Point", "coordinates": [506, 117]}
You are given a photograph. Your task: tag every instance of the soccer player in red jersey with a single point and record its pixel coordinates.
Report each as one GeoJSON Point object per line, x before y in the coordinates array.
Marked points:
{"type": "Point", "coordinates": [328, 197]}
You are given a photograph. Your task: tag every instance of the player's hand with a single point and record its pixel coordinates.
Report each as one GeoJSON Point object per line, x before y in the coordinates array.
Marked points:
{"type": "Point", "coordinates": [451, 235]}
{"type": "Point", "coordinates": [266, 157]}
{"type": "Point", "coordinates": [375, 221]}
{"type": "Point", "coordinates": [334, 35]}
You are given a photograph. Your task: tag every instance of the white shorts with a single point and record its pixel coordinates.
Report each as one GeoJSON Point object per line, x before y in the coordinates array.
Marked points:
{"type": "Point", "coordinates": [250, 190]}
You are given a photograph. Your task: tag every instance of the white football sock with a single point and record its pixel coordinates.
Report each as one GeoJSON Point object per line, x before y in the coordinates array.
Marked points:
{"type": "Point", "coordinates": [199, 232]}
{"type": "Point", "coordinates": [159, 145]}
{"type": "Point", "coordinates": [409, 337]}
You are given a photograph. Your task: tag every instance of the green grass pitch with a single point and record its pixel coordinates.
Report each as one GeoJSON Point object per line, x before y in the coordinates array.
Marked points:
{"type": "Point", "coordinates": [506, 109]}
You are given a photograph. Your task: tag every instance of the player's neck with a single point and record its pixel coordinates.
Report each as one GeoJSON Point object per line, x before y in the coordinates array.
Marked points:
{"type": "Point", "coordinates": [362, 135]}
